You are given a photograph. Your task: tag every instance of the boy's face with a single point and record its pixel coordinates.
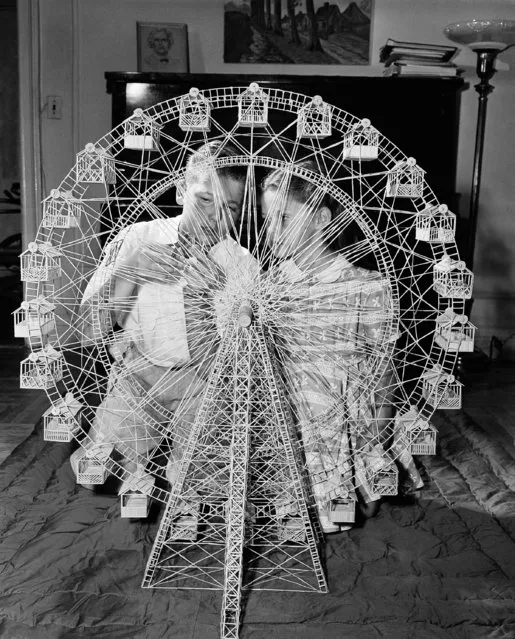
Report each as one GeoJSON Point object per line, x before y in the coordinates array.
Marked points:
{"type": "Point", "coordinates": [211, 206]}
{"type": "Point", "coordinates": [290, 226]}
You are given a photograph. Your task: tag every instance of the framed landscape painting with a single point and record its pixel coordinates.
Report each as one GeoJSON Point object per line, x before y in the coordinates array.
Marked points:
{"type": "Point", "coordinates": [297, 31]}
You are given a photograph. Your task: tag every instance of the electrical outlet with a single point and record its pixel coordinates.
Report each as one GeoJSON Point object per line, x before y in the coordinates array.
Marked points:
{"type": "Point", "coordinates": [55, 107]}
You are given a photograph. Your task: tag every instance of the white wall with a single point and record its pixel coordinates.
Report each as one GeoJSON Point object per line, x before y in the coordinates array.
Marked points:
{"type": "Point", "coordinates": [9, 168]}
{"type": "Point", "coordinates": [81, 39]}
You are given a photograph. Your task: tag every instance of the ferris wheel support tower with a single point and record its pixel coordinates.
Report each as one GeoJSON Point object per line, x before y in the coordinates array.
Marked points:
{"type": "Point", "coordinates": [250, 486]}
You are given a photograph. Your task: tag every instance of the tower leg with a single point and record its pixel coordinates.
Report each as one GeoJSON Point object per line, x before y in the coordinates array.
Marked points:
{"type": "Point", "coordinates": [239, 465]}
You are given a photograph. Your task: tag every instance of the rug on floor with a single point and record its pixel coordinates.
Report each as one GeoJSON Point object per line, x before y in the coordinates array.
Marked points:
{"type": "Point", "coordinates": [437, 565]}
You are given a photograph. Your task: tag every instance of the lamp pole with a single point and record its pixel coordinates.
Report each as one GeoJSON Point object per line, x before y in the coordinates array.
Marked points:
{"type": "Point", "coordinates": [485, 70]}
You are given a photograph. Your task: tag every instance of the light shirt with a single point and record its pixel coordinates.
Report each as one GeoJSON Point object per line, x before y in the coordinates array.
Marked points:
{"type": "Point", "coordinates": [344, 308]}
{"type": "Point", "coordinates": [156, 322]}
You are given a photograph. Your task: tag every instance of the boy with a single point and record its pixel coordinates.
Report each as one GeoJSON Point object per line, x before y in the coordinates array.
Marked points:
{"type": "Point", "coordinates": [155, 278]}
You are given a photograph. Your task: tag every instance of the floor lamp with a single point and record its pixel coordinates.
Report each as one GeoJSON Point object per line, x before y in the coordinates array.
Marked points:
{"type": "Point", "coordinates": [487, 38]}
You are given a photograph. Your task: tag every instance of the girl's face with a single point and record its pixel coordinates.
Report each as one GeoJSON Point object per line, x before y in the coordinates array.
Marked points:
{"type": "Point", "coordinates": [291, 226]}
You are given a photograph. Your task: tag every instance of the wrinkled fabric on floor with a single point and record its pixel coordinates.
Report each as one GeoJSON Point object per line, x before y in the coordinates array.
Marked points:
{"type": "Point", "coordinates": [438, 565]}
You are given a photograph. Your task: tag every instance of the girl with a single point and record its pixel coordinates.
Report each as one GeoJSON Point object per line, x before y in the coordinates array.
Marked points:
{"type": "Point", "coordinates": [339, 318]}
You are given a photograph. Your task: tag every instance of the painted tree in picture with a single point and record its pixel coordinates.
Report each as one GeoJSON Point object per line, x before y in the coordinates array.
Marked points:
{"type": "Point", "coordinates": [297, 31]}
{"type": "Point", "coordinates": [313, 41]}
{"type": "Point", "coordinates": [294, 32]}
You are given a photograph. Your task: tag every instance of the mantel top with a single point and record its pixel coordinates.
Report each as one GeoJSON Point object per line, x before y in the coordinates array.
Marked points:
{"type": "Point", "coordinates": [215, 79]}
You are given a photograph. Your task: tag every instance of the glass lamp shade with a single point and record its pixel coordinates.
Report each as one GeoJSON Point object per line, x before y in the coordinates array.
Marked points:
{"type": "Point", "coordinates": [494, 34]}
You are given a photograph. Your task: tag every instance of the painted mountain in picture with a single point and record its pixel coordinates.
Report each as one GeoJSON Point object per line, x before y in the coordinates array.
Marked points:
{"type": "Point", "coordinates": [297, 31]}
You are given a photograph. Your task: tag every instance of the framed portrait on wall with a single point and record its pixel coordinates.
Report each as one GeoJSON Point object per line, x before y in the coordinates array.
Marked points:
{"type": "Point", "coordinates": [163, 47]}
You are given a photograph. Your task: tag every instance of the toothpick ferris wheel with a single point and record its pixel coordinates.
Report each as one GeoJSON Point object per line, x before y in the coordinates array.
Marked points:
{"type": "Point", "coordinates": [279, 402]}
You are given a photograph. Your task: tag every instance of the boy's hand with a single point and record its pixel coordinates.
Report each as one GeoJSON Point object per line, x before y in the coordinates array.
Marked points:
{"type": "Point", "coordinates": [202, 273]}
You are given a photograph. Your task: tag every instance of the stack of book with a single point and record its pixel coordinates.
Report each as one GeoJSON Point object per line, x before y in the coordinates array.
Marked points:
{"type": "Point", "coordinates": [415, 58]}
